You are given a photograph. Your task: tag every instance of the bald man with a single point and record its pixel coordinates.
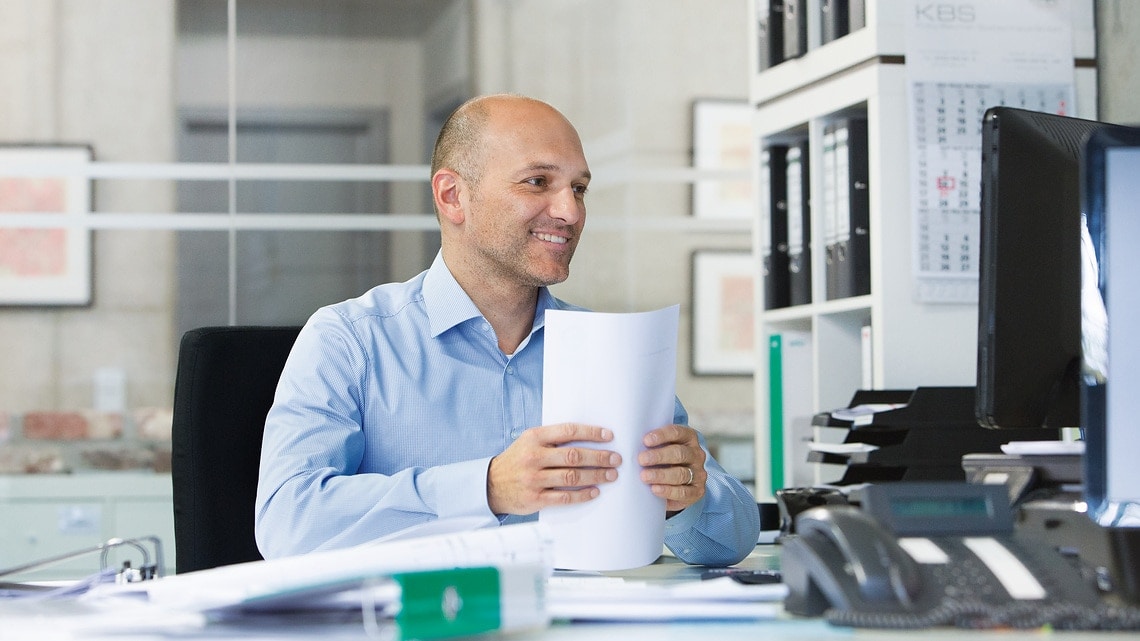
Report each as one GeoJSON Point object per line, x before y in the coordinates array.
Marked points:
{"type": "Point", "coordinates": [423, 400]}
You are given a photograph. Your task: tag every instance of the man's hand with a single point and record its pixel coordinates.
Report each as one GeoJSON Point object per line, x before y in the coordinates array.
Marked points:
{"type": "Point", "coordinates": [535, 471]}
{"type": "Point", "coordinates": [674, 466]}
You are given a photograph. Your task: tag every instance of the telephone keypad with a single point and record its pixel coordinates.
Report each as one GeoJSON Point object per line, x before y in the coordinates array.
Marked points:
{"type": "Point", "coordinates": [968, 578]}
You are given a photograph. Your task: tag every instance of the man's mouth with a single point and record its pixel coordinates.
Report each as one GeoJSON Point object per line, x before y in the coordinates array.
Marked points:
{"type": "Point", "coordinates": [551, 238]}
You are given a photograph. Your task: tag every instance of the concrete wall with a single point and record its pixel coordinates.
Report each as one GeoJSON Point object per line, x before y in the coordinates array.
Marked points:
{"type": "Point", "coordinates": [1118, 49]}
{"type": "Point", "coordinates": [98, 72]}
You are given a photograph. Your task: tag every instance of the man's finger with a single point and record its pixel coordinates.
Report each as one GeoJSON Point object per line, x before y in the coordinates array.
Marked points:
{"type": "Point", "coordinates": [577, 477]}
{"type": "Point", "coordinates": [570, 432]}
{"type": "Point", "coordinates": [669, 434]}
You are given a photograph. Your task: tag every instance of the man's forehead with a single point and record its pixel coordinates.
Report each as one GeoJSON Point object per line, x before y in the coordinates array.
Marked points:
{"type": "Point", "coordinates": [534, 137]}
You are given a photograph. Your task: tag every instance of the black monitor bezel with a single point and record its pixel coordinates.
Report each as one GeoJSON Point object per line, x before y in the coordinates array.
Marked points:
{"type": "Point", "coordinates": [1029, 269]}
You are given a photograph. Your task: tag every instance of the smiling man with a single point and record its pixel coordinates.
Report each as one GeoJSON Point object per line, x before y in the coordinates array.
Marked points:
{"type": "Point", "coordinates": [422, 400]}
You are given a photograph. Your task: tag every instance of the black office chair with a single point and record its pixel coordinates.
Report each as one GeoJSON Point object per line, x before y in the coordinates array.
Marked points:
{"type": "Point", "coordinates": [224, 387]}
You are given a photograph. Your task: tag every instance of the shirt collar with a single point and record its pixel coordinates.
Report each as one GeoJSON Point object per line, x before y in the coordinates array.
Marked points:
{"type": "Point", "coordinates": [448, 305]}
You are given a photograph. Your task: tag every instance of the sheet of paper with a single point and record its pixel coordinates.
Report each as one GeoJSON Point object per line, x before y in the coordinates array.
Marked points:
{"type": "Point", "coordinates": [1043, 448]}
{"type": "Point", "coordinates": [617, 371]}
{"type": "Point", "coordinates": [842, 448]}
{"type": "Point", "coordinates": [69, 619]}
{"type": "Point", "coordinates": [864, 414]}
{"type": "Point", "coordinates": [593, 599]}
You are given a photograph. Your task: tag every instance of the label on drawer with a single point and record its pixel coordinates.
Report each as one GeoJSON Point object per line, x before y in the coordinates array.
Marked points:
{"type": "Point", "coordinates": [80, 519]}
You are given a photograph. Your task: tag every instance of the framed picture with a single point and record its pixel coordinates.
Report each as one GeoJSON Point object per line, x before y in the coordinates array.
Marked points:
{"type": "Point", "coordinates": [722, 140]}
{"type": "Point", "coordinates": [44, 265]}
{"type": "Point", "coordinates": [723, 340]}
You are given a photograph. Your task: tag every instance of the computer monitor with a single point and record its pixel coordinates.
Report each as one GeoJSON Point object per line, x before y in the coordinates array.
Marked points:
{"type": "Point", "coordinates": [1110, 308]}
{"type": "Point", "coordinates": [1029, 315]}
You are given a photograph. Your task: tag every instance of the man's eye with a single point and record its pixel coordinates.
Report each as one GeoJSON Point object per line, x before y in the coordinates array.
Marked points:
{"type": "Point", "coordinates": [580, 190]}
{"type": "Point", "coordinates": [537, 181]}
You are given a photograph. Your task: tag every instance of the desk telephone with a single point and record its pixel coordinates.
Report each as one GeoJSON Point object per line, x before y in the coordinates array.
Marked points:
{"type": "Point", "coordinates": [927, 554]}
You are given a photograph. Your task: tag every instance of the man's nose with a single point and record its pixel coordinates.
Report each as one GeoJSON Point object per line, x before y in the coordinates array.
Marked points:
{"type": "Point", "coordinates": [567, 207]}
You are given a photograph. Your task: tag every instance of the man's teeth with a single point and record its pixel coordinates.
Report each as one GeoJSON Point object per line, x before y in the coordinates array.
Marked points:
{"type": "Point", "coordinates": [551, 238]}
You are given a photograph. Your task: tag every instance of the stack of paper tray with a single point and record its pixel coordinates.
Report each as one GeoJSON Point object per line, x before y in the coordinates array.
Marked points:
{"type": "Point", "coordinates": [923, 435]}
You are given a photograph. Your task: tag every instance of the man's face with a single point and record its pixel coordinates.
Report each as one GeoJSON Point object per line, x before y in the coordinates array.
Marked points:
{"type": "Point", "coordinates": [526, 212]}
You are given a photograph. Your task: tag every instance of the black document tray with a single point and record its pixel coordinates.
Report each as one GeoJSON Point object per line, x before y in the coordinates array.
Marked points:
{"type": "Point", "coordinates": [924, 440]}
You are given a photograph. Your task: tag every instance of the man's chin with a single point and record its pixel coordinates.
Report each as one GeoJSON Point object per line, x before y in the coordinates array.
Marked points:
{"type": "Point", "coordinates": [551, 272]}
{"type": "Point", "coordinates": [552, 277]}
{"type": "Point", "coordinates": [547, 282]}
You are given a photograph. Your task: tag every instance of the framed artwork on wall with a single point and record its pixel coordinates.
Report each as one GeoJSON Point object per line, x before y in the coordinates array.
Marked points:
{"type": "Point", "coordinates": [42, 265]}
{"type": "Point", "coordinates": [723, 340]}
{"type": "Point", "coordinates": [722, 141]}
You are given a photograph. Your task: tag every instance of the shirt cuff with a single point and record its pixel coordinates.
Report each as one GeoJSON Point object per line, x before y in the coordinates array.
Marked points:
{"type": "Point", "coordinates": [686, 519]}
{"type": "Point", "coordinates": [459, 489]}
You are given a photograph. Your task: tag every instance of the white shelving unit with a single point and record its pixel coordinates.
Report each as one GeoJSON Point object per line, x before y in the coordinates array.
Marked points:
{"type": "Point", "coordinates": [913, 343]}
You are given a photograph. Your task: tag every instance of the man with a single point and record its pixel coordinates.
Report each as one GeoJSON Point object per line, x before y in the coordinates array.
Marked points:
{"type": "Point", "coordinates": [417, 400]}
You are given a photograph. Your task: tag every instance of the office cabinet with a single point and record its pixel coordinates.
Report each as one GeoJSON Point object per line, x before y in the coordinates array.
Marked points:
{"type": "Point", "coordinates": [886, 338]}
{"type": "Point", "coordinates": [49, 514]}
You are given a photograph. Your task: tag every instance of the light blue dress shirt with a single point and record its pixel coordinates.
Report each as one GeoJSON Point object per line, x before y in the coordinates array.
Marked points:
{"type": "Point", "coordinates": [390, 408]}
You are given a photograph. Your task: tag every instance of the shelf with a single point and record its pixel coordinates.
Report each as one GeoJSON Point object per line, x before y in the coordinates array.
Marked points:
{"type": "Point", "coordinates": [909, 344]}
{"type": "Point", "coordinates": [882, 37]}
{"type": "Point", "coordinates": [806, 312]}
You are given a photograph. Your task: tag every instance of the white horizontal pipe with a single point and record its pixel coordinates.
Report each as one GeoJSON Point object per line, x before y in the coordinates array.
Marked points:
{"type": "Point", "coordinates": [325, 222]}
{"type": "Point", "coordinates": [218, 171]}
{"type": "Point", "coordinates": [604, 175]}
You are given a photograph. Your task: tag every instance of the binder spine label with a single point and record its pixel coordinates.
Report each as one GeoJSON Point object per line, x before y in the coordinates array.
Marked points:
{"type": "Point", "coordinates": [776, 411]}
{"type": "Point", "coordinates": [448, 603]}
{"type": "Point", "coordinates": [840, 184]}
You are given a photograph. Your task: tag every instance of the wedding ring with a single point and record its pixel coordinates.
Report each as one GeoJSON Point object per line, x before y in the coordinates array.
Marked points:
{"type": "Point", "coordinates": [691, 476]}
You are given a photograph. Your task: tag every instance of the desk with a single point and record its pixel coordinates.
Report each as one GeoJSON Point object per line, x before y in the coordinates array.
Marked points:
{"type": "Point", "coordinates": [792, 630]}
{"type": "Point", "coordinates": [666, 569]}
{"type": "Point", "coordinates": [777, 630]}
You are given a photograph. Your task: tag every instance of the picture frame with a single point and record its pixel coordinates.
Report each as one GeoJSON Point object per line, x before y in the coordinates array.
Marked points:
{"type": "Point", "coordinates": [723, 329]}
{"type": "Point", "coordinates": [45, 266]}
{"type": "Point", "coordinates": [722, 141]}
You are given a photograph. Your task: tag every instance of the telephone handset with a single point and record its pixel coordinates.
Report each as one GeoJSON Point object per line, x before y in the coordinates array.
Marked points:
{"type": "Point", "coordinates": [841, 558]}
{"type": "Point", "coordinates": [920, 554]}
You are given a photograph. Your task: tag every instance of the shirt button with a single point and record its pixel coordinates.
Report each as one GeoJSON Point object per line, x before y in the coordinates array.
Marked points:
{"type": "Point", "coordinates": [510, 370]}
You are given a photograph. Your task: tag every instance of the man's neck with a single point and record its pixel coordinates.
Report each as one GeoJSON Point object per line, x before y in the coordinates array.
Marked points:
{"type": "Point", "coordinates": [509, 309]}
{"type": "Point", "coordinates": [512, 321]}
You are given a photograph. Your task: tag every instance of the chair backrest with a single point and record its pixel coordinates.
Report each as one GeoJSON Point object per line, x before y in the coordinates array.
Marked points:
{"type": "Point", "coordinates": [224, 387]}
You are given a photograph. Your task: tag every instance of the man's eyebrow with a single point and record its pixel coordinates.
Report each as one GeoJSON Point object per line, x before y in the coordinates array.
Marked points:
{"type": "Point", "coordinates": [541, 166]}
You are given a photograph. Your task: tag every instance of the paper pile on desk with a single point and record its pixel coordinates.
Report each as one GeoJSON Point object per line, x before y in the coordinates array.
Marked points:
{"type": "Point", "coordinates": [372, 579]}
{"type": "Point", "coordinates": [234, 586]}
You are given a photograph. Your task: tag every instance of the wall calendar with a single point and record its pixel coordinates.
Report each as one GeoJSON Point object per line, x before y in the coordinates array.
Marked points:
{"type": "Point", "coordinates": [962, 59]}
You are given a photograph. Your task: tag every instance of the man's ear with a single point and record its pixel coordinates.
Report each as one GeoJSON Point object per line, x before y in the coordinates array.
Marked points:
{"type": "Point", "coordinates": [446, 187]}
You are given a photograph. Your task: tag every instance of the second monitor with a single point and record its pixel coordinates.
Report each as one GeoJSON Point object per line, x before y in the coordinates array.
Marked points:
{"type": "Point", "coordinates": [1029, 314]}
